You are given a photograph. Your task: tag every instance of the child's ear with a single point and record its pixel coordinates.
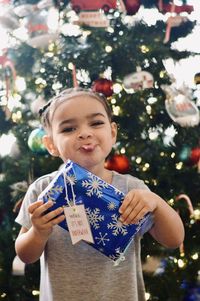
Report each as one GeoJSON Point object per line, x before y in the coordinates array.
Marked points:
{"type": "Point", "coordinates": [48, 143]}
{"type": "Point", "coordinates": [114, 132]}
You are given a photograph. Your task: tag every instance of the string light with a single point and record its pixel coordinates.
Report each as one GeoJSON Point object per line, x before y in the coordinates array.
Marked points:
{"type": "Point", "coordinates": [155, 182]}
{"type": "Point", "coordinates": [113, 101]}
{"type": "Point", "coordinates": [35, 293]}
{"type": "Point", "coordinates": [144, 49]}
{"type": "Point", "coordinates": [147, 296]}
{"type": "Point", "coordinates": [3, 295]}
{"type": "Point", "coordinates": [117, 88]}
{"type": "Point", "coordinates": [116, 110]}
{"type": "Point", "coordinates": [152, 100]}
{"type": "Point", "coordinates": [122, 151]}
{"type": "Point", "coordinates": [148, 109]}
{"type": "Point", "coordinates": [196, 214]}
{"type": "Point", "coordinates": [138, 160]}
{"type": "Point", "coordinates": [181, 263]}
{"type": "Point", "coordinates": [108, 49]}
{"type": "Point", "coordinates": [171, 202]}
{"type": "Point", "coordinates": [162, 74]}
{"type": "Point", "coordinates": [70, 66]}
{"type": "Point", "coordinates": [146, 167]}
{"type": "Point", "coordinates": [195, 256]}
{"type": "Point", "coordinates": [173, 155]}
{"type": "Point", "coordinates": [179, 165]}
{"type": "Point", "coordinates": [17, 116]}
{"type": "Point", "coordinates": [40, 81]}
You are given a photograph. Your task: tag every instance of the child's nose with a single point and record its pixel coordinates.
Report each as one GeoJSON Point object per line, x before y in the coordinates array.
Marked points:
{"type": "Point", "coordinates": [84, 133]}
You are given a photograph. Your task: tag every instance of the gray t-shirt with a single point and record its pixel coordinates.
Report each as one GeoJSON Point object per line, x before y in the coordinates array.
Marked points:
{"type": "Point", "coordinates": [79, 272]}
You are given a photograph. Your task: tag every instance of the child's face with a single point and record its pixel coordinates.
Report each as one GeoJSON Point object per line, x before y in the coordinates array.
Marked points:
{"type": "Point", "coordinates": [81, 131]}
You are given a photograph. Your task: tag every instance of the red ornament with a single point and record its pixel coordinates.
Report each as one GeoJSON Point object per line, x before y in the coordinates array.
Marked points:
{"type": "Point", "coordinates": [165, 8]}
{"type": "Point", "coordinates": [103, 85]}
{"type": "Point", "coordinates": [119, 163]}
{"type": "Point", "coordinates": [80, 5]}
{"type": "Point", "coordinates": [132, 6]}
{"type": "Point", "coordinates": [195, 155]}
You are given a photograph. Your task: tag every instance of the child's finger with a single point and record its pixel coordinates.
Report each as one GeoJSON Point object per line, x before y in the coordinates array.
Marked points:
{"type": "Point", "coordinates": [133, 219]}
{"type": "Point", "coordinates": [41, 207]}
{"type": "Point", "coordinates": [34, 206]}
{"type": "Point", "coordinates": [130, 213]}
{"type": "Point", "coordinates": [129, 198]}
{"type": "Point", "coordinates": [57, 220]}
{"type": "Point", "coordinates": [53, 215]}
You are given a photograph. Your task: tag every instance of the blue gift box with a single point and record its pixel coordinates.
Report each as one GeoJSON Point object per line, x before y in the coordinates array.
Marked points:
{"type": "Point", "coordinates": [101, 200]}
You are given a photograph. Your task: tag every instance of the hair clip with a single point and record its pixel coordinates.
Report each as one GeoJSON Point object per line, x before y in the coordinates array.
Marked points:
{"type": "Point", "coordinates": [41, 111]}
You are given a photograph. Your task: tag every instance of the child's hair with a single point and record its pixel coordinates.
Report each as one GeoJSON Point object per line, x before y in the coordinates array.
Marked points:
{"type": "Point", "coordinates": [46, 112]}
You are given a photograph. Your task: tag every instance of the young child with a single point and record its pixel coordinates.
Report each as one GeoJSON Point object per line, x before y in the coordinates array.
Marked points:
{"type": "Point", "coordinates": [79, 126]}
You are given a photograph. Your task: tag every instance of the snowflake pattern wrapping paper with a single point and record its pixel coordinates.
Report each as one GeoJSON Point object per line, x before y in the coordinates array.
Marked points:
{"type": "Point", "coordinates": [72, 184]}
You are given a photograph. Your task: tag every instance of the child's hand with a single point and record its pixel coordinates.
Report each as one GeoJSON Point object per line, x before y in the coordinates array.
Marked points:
{"type": "Point", "coordinates": [136, 204]}
{"type": "Point", "coordinates": [43, 220]}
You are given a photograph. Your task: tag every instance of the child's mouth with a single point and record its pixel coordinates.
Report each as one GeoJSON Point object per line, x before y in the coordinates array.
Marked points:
{"type": "Point", "coordinates": [88, 147]}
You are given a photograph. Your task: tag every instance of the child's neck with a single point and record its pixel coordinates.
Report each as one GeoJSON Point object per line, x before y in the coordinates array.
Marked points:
{"type": "Point", "coordinates": [106, 175]}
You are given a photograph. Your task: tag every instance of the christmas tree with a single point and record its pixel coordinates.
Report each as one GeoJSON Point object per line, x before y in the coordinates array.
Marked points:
{"type": "Point", "coordinates": [122, 51]}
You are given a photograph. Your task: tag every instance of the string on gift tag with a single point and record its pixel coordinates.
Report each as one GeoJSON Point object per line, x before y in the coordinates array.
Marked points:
{"type": "Point", "coordinates": [191, 211]}
{"type": "Point", "coordinates": [71, 185]}
{"type": "Point", "coordinates": [76, 218]}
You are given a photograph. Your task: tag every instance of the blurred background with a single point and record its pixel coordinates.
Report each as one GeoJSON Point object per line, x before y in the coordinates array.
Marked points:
{"type": "Point", "coordinates": [144, 56]}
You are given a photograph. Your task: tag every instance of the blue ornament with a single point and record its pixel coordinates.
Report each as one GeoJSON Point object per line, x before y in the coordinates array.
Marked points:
{"type": "Point", "coordinates": [185, 153]}
{"type": "Point", "coordinates": [35, 141]}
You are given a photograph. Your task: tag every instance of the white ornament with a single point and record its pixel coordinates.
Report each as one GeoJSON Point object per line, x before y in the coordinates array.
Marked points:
{"type": "Point", "coordinates": [138, 80]}
{"type": "Point", "coordinates": [40, 35]}
{"type": "Point", "coordinates": [180, 108]}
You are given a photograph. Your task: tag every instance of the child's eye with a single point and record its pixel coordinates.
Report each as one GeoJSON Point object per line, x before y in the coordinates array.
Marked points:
{"type": "Point", "coordinates": [97, 123]}
{"type": "Point", "coordinates": [68, 130]}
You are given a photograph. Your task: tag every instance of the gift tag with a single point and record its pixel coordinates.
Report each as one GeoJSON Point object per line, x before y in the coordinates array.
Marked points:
{"type": "Point", "coordinates": [78, 224]}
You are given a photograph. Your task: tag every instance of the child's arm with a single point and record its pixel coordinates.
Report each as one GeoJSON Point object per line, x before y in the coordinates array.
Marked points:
{"type": "Point", "coordinates": [30, 243]}
{"type": "Point", "coordinates": [167, 229]}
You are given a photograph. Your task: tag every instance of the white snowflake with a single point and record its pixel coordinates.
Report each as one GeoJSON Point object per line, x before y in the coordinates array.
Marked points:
{"type": "Point", "coordinates": [117, 191]}
{"type": "Point", "coordinates": [116, 226]}
{"type": "Point", "coordinates": [94, 185]}
{"type": "Point", "coordinates": [71, 179]}
{"type": "Point", "coordinates": [102, 239]}
{"type": "Point", "coordinates": [111, 206]}
{"type": "Point", "coordinates": [94, 217]}
{"type": "Point", "coordinates": [52, 194]}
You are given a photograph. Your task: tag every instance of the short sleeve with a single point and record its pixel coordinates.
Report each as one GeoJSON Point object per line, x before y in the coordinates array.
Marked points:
{"type": "Point", "coordinates": [31, 196]}
{"type": "Point", "coordinates": [23, 217]}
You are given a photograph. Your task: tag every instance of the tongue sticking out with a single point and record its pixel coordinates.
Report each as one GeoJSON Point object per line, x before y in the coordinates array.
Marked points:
{"type": "Point", "coordinates": [88, 147]}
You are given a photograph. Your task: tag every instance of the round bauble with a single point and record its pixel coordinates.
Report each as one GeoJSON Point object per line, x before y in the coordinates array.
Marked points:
{"type": "Point", "coordinates": [185, 153]}
{"type": "Point", "coordinates": [119, 163]}
{"type": "Point", "coordinates": [104, 86]}
{"type": "Point", "coordinates": [195, 155]}
{"type": "Point", "coordinates": [35, 141]}
{"type": "Point", "coordinates": [132, 6]}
